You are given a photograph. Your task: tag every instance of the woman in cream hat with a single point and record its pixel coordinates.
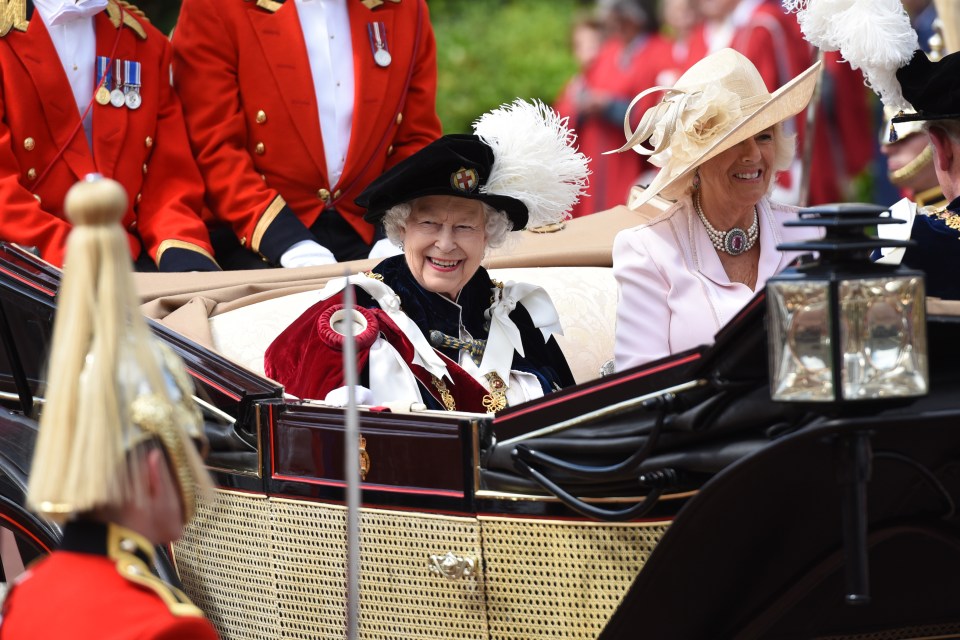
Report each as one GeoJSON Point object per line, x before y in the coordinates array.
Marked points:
{"type": "Point", "coordinates": [718, 140]}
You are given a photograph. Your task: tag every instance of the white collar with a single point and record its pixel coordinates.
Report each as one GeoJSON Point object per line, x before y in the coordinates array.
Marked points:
{"type": "Point", "coordinates": [56, 12]}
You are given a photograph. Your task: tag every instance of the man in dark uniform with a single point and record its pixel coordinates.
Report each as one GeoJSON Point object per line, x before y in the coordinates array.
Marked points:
{"type": "Point", "coordinates": [116, 460]}
{"type": "Point", "coordinates": [932, 89]}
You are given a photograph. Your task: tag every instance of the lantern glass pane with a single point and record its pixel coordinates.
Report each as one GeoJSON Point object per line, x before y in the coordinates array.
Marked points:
{"type": "Point", "coordinates": [883, 338]}
{"type": "Point", "coordinates": [799, 337]}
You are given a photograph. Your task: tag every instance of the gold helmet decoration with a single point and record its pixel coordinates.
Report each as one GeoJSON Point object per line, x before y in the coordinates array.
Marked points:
{"type": "Point", "coordinates": [112, 386]}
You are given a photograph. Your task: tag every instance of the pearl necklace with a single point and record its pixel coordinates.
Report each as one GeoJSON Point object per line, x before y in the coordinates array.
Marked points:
{"type": "Point", "coordinates": [736, 240]}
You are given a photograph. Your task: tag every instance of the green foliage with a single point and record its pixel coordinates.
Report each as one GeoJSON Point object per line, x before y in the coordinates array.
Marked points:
{"type": "Point", "coordinates": [492, 51]}
{"type": "Point", "coordinates": [161, 13]}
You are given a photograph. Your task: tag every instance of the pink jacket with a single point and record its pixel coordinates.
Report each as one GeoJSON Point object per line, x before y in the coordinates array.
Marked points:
{"type": "Point", "coordinates": [674, 293]}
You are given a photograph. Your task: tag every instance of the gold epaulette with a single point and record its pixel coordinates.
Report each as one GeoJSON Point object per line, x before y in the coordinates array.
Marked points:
{"type": "Point", "coordinates": [270, 5]}
{"type": "Point", "coordinates": [122, 547]}
{"type": "Point", "coordinates": [13, 15]}
{"type": "Point", "coordinates": [128, 11]}
{"type": "Point", "coordinates": [944, 215]}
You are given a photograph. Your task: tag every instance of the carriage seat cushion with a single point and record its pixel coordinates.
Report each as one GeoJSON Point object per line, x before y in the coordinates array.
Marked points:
{"type": "Point", "coordinates": [585, 297]}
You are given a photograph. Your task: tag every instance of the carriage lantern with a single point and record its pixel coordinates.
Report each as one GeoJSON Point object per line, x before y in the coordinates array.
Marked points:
{"type": "Point", "coordinates": [841, 328]}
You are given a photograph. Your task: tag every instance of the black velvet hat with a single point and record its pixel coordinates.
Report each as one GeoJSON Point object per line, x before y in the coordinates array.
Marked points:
{"type": "Point", "coordinates": [521, 159]}
{"type": "Point", "coordinates": [931, 87]}
{"type": "Point", "coordinates": [454, 165]}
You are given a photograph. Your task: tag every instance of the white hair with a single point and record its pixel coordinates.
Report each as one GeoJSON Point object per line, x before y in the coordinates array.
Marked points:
{"type": "Point", "coordinates": [496, 227]}
{"type": "Point", "coordinates": [948, 125]}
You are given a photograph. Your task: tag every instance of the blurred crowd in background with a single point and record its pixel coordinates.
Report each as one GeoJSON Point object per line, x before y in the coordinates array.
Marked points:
{"type": "Point", "coordinates": [624, 47]}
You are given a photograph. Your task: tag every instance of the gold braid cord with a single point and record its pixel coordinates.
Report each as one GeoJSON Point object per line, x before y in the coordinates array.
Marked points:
{"type": "Point", "coordinates": [912, 168]}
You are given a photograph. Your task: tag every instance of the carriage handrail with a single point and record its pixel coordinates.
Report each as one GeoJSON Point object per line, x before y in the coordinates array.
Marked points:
{"type": "Point", "coordinates": [604, 412]}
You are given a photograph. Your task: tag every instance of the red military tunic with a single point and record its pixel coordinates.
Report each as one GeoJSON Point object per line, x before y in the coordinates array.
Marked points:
{"type": "Point", "coordinates": [98, 586]}
{"type": "Point", "coordinates": [43, 149]}
{"type": "Point", "coordinates": [242, 71]}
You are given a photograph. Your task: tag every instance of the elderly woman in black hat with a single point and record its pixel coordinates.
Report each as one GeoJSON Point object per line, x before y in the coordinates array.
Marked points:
{"type": "Point", "coordinates": [718, 138]}
{"type": "Point", "coordinates": [434, 327]}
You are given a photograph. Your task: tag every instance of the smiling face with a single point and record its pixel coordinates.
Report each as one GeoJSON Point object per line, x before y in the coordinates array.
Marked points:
{"type": "Point", "coordinates": [443, 241]}
{"type": "Point", "coordinates": [737, 178]}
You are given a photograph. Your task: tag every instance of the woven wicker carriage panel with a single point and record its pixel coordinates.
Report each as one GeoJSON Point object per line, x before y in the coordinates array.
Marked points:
{"type": "Point", "coordinates": [274, 568]}
{"type": "Point", "coordinates": [558, 579]}
{"type": "Point", "coordinates": [224, 561]}
{"type": "Point", "coordinates": [400, 596]}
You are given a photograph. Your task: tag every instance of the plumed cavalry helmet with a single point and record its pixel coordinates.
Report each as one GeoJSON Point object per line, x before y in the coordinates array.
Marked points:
{"type": "Point", "coordinates": [112, 387]}
{"type": "Point", "coordinates": [521, 159]}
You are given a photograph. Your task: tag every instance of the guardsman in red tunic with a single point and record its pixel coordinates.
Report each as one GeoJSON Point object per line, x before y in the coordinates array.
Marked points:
{"type": "Point", "coordinates": [628, 62]}
{"type": "Point", "coordinates": [85, 88]}
{"type": "Point", "coordinates": [293, 107]}
{"type": "Point", "coordinates": [116, 460]}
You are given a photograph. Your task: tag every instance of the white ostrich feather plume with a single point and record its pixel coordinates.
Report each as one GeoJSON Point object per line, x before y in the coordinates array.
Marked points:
{"type": "Point", "coordinates": [872, 35]}
{"type": "Point", "coordinates": [535, 159]}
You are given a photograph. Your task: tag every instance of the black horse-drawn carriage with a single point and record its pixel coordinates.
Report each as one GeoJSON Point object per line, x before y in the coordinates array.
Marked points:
{"type": "Point", "coordinates": [674, 500]}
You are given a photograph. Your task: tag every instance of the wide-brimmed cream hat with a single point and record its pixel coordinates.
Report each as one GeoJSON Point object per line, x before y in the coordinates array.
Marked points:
{"type": "Point", "coordinates": [718, 103]}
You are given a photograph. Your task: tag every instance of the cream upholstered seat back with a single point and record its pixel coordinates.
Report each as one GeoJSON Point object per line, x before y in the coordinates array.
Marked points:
{"type": "Point", "coordinates": [585, 297]}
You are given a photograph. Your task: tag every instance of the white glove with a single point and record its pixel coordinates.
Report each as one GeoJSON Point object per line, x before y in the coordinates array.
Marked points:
{"type": "Point", "coordinates": [338, 397]}
{"type": "Point", "coordinates": [306, 253]}
{"type": "Point", "coordinates": [383, 248]}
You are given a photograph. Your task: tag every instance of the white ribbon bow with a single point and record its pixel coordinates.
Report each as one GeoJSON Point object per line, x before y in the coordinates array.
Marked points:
{"type": "Point", "coordinates": [504, 337]}
{"type": "Point", "coordinates": [69, 11]}
{"type": "Point", "coordinates": [389, 301]}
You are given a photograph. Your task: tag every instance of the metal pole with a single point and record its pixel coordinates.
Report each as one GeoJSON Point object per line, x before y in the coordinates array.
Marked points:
{"type": "Point", "coordinates": [808, 136]}
{"type": "Point", "coordinates": [351, 468]}
{"type": "Point", "coordinates": [855, 458]}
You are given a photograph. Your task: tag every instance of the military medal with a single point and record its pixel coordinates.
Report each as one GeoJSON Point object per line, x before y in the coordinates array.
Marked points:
{"type": "Point", "coordinates": [131, 90]}
{"type": "Point", "coordinates": [117, 98]}
{"type": "Point", "coordinates": [377, 31]}
{"type": "Point", "coordinates": [102, 95]}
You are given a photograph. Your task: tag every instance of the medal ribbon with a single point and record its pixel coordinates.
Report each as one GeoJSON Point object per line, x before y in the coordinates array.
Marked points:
{"type": "Point", "coordinates": [104, 75]}
{"type": "Point", "coordinates": [131, 74]}
{"type": "Point", "coordinates": [377, 31]}
{"type": "Point", "coordinates": [118, 80]}
{"type": "Point", "coordinates": [93, 98]}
